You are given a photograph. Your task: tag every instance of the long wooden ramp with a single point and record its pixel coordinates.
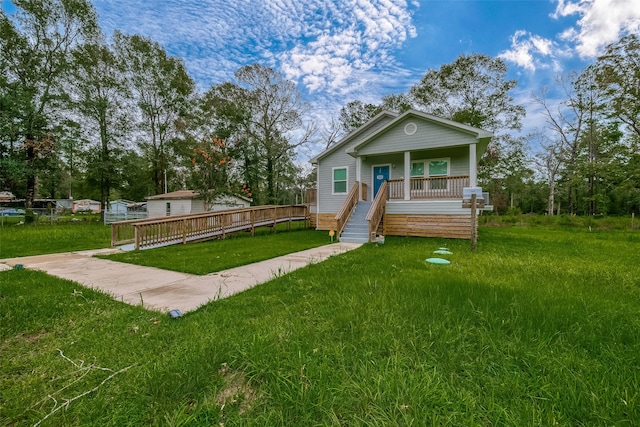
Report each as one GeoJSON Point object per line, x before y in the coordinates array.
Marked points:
{"type": "Point", "coordinates": [172, 230]}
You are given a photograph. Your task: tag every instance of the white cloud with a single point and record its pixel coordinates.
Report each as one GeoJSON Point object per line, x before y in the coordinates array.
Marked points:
{"type": "Point", "coordinates": [600, 23]}
{"type": "Point", "coordinates": [530, 51]}
{"type": "Point", "coordinates": [325, 45]}
{"type": "Point", "coordinates": [356, 36]}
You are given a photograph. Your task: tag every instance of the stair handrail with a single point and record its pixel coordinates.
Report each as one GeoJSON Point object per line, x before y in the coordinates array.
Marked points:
{"type": "Point", "coordinates": [376, 211]}
{"type": "Point", "coordinates": [349, 205]}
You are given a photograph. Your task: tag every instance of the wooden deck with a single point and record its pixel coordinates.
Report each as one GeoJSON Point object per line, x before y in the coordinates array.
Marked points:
{"type": "Point", "coordinates": [172, 230]}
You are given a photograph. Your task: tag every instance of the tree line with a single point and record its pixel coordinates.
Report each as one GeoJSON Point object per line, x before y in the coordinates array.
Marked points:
{"type": "Point", "coordinates": [80, 115]}
{"type": "Point", "coordinates": [120, 118]}
{"type": "Point", "coordinates": [585, 160]}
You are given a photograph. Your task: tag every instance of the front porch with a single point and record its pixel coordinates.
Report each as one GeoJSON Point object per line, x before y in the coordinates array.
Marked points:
{"type": "Point", "coordinates": [424, 174]}
{"type": "Point", "coordinates": [443, 187]}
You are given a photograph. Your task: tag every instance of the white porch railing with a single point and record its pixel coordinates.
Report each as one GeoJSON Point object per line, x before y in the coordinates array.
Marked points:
{"type": "Point", "coordinates": [442, 187]}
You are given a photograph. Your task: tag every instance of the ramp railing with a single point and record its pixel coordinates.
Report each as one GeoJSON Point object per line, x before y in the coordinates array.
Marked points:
{"type": "Point", "coordinates": [204, 226]}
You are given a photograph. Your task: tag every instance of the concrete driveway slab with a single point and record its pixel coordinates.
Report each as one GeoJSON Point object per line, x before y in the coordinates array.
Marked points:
{"type": "Point", "coordinates": [163, 290]}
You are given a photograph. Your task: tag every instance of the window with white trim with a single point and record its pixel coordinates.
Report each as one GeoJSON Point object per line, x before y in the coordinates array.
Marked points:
{"type": "Point", "coordinates": [340, 180]}
{"type": "Point", "coordinates": [437, 168]}
{"type": "Point", "coordinates": [417, 171]}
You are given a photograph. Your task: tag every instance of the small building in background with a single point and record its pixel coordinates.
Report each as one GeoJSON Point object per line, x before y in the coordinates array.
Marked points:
{"type": "Point", "coordinates": [184, 202]}
{"type": "Point", "coordinates": [125, 210]}
{"type": "Point", "coordinates": [63, 204]}
{"type": "Point", "coordinates": [7, 196]}
{"type": "Point", "coordinates": [119, 206]}
{"type": "Point", "coordinates": [86, 206]}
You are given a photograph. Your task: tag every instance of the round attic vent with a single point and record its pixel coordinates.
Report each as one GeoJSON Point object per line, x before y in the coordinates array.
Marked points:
{"type": "Point", "coordinates": [410, 128]}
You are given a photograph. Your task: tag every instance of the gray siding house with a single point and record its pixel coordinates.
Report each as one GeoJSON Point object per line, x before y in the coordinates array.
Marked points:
{"type": "Point", "coordinates": [418, 166]}
{"type": "Point", "coordinates": [184, 202]}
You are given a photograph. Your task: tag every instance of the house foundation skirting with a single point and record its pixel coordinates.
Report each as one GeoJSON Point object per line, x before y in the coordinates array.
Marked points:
{"type": "Point", "coordinates": [324, 221]}
{"type": "Point", "coordinates": [418, 225]}
{"type": "Point", "coordinates": [447, 226]}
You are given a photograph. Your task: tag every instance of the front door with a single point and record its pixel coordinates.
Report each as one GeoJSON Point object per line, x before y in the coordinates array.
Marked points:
{"type": "Point", "coordinates": [380, 175]}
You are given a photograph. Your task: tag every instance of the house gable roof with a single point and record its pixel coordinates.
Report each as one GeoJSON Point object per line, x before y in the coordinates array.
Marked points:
{"type": "Point", "coordinates": [181, 194]}
{"type": "Point", "coordinates": [383, 115]}
{"type": "Point", "coordinates": [480, 134]}
{"type": "Point", "coordinates": [190, 195]}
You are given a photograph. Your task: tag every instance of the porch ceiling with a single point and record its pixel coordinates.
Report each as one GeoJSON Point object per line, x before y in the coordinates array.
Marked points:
{"type": "Point", "coordinates": [423, 153]}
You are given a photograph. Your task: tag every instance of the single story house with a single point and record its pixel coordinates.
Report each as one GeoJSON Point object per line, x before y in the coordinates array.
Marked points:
{"type": "Point", "coordinates": [400, 175]}
{"type": "Point", "coordinates": [185, 202]}
{"type": "Point", "coordinates": [119, 206]}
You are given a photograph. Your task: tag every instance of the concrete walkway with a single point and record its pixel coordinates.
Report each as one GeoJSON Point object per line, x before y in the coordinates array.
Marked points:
{"type": "Point", "coordinates": [163, 290]}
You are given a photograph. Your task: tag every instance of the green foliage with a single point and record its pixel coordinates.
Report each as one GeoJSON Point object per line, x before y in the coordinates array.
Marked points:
{"type": "Point", "coordinates": [591, 223]}
{"type": "Point", "coordinates": [473, 90]}
{"type": "Point", "coordinates": [52, 53]}
{"type": "Point", "coordinates": [35, 55]}
{"type": "Point", "coordinates": [504, 172]}
{"type": "Point", "coordinates": [618, 77]}
{"type": "Point", "coordinates": [162, 89]}
{"type": "Point", "coordinates": [357, 113]}
{"type": "Point", "coordinates": [100, 91]}
{"type": "Point", "coordinates": [514, 212]}
{"type": "Point", "coordinates": [257, 119]}
{"type": "Point", "coordinates": [538, 327]}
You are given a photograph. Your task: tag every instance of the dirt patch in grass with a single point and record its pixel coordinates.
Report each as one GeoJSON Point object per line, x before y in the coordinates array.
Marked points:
{"type": "Point", "coordinates": [236, 390]}
{"type": "Point", "coordinates": [24, 339]}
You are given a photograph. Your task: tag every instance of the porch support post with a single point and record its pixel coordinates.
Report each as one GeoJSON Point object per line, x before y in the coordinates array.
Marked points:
{"type": "Point", "coordinates": [473, 166]}
{"type": "Point", "coordinates": [407, 175]}
{"type": "Point", "coordinates": [359, 176]}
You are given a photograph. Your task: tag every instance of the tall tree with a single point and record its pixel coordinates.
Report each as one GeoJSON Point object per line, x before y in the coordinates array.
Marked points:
{"type": "Point", "coordinates": [356, 113]}
{"type": "Point", "coordinates": [567, 121]}
{"type": "Point", "coordinates": [504, 172]}
{"type": "Point", "coordinates": [617, 74]}
{"type": "Point", "coordinates": [99, 94]}
{"type": "Point", "coordinates": [70, 149]}
{"type": "Point", "coordinates": [163, 91]}
{"type": "Point", "coordinates": [222, 160]}
{"type": "Point", "coordinates": [549, 161]}
{"type": "Point", "coordinates": [473, 90]}
{"type": "Point", "coordinates": [36, 56]}
{"type": "Point", "coordinates": [276, 113]}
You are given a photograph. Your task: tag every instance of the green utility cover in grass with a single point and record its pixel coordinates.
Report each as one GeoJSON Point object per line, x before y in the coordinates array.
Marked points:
{"type": "Point", "coordinates": [438, 261]}
{"type": "Point", "coordinates": [442, 252]}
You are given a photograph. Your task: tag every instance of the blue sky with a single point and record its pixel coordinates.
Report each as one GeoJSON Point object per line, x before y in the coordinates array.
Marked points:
{"type": "Point", "coordinates": [341, 50]}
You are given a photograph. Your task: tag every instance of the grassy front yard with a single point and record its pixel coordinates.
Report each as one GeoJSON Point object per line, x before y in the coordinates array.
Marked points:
{"type": "Point", "coordinates": [25, 240]}
{"type": "Point", "coordinates": [216, 255]}
{"type": "Point", "coordinates": [539, 327]}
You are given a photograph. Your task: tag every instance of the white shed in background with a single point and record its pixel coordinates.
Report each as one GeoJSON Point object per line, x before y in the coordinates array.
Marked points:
{"type": "Point", "coordinates": [185, 202]}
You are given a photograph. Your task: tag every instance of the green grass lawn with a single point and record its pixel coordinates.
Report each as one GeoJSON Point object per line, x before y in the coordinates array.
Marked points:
{"type": "Point", "coordinates": [539, 327]}
{"type": "Point", "coordinates": [216, 255]}
{"type": "Point", "coordinates": [25, 240]}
